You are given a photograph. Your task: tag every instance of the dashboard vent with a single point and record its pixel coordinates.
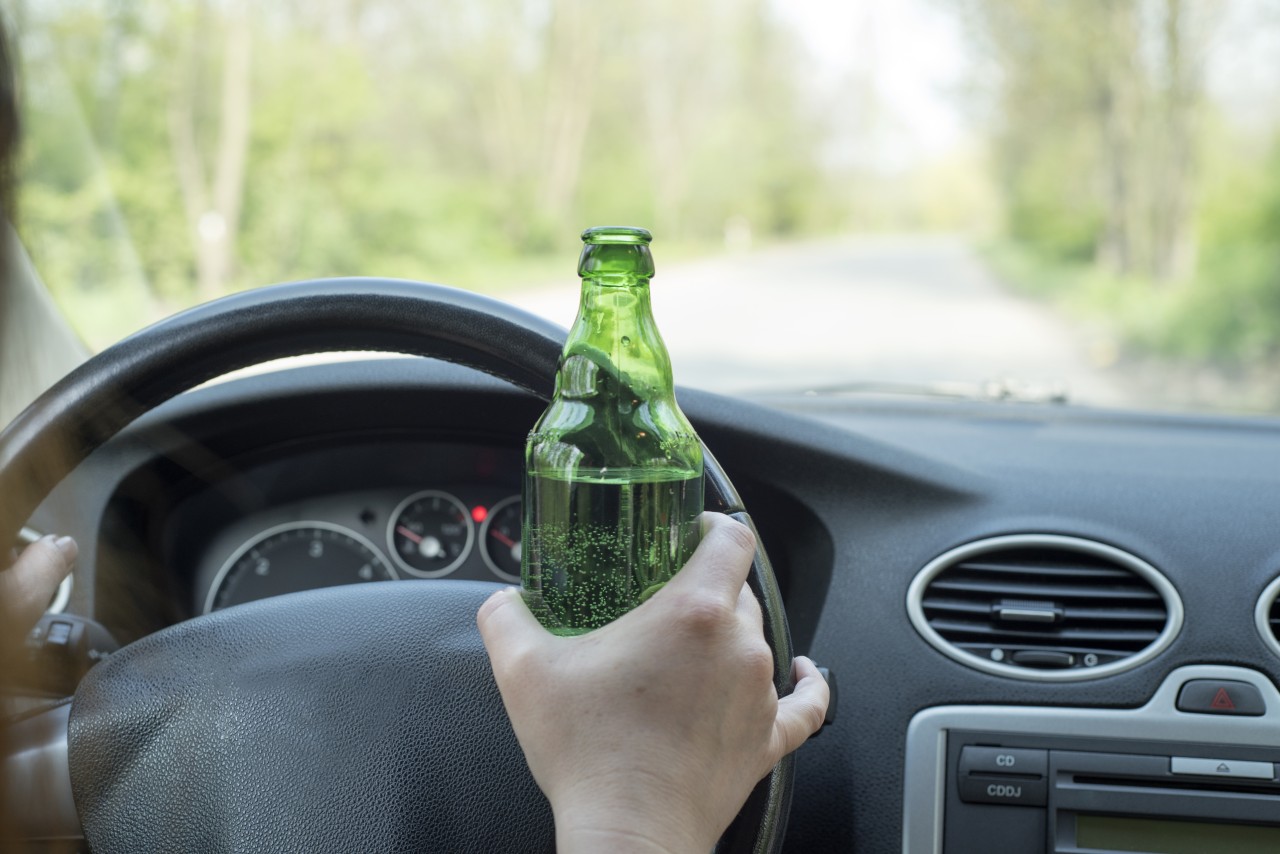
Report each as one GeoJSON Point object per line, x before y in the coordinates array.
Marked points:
{"type": "Point", "coordinates": [1267, 616]}
{"type": "Point", "coordinates": [1044, 607]}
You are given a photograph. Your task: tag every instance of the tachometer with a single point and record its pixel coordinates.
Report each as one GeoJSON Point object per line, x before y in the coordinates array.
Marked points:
{"type": "Point", "coordinates": [431, 534]}
{"type": "Point", "coordinates": [500, 539]}
{"type": "Point", "coordinates": [295, 556]}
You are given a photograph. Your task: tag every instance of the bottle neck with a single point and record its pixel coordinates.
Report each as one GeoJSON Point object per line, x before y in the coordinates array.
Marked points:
{"type": "Point", "coordinates": [615, 330]}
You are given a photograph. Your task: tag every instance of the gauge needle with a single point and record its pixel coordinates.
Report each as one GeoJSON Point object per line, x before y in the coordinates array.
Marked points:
{"type": "Point", "coordinates": [401, 529]}
{"type": "Point", "coordinates": [502, 538]}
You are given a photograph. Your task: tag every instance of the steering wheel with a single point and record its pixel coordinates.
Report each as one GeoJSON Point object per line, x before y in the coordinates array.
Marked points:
{"type": "Point", "coordinates": [358, 718]}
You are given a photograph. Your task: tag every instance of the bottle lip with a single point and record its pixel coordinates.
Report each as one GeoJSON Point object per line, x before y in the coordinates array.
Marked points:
{"type": "Point", "coordinates": [616, 234]}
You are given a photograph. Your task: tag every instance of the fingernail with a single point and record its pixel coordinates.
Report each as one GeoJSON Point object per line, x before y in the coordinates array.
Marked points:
{"type": "Point", "coordinates": [67, 546]}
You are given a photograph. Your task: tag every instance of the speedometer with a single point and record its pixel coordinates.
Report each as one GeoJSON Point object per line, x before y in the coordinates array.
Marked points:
{"type": "Point", "coordinates": [292, 557]}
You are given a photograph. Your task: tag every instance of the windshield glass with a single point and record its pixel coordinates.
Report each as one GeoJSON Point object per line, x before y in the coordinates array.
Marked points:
{"type": "Point", "coordinates": [1003, 198]}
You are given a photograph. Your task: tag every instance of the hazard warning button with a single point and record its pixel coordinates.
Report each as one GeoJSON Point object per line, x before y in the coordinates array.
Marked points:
{"type": "Point", "coordinates": [1218, 697]}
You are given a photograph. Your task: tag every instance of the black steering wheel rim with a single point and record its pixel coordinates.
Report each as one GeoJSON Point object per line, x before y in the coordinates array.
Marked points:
{"type": "Point", "coordinates": [100, 398]}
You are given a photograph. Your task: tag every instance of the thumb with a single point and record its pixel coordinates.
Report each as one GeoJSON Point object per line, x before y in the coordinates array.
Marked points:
{"type": "Point", "coordinates": [800, 713]}
{"type": "Point", "coordinates": [721, 562]}
{"type": "Point", "coordinates": [508, 628]}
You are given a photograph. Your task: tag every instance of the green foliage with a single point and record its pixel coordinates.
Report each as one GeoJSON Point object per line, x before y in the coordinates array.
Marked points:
{"type": "Point", "coordinates": [1129, 199]}
{"type": "Point", "coordinates": [458, 141]}
{"type": "Point", "coordinates": [1231, 310]}
{"type": "Point", "coordinates": [1049, 207]}
{"type": "Point", "coordinates": [1227, 313]}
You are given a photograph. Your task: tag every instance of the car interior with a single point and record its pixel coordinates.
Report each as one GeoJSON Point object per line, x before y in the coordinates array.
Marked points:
{"type": "Point", "coordinates": [1044, 621]}
{"type": "Point", "coordinates": [1048, 625]}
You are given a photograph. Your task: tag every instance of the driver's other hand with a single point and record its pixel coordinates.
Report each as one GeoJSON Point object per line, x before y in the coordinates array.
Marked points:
{"type": "Point", "coordinates": [649, 733]}
{"type": "Point", "coordinates": [27, 586]}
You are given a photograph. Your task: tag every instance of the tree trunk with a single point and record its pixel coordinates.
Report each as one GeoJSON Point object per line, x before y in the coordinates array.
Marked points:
{"type": "Point", "coordinates": [213, 204]}
{"type": "Point", "coordinates": [1174, 249]}
{"type": "Point", "coordinates": [1117, 250]}
{"type": "Point", "coordinates": [573, 59]}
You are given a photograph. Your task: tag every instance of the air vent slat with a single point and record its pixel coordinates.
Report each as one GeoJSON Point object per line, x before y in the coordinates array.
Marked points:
{"type": "Point", "coordinates": [1047, 570]}
{"type": "Point", "coordinates": [1128, 614]}
{"type": "Point", "coordinates": [1052, 633]}
{"type": "Point", "coordinates": [1045, 606]}
{"type": "Point", "coordinates": [1036, 590]}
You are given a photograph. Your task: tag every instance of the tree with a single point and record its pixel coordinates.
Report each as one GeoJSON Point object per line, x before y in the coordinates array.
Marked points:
{"type": "Point", "coordinates": [213, 186]}
{"type": "Point", "coordinates": [1112, 90]}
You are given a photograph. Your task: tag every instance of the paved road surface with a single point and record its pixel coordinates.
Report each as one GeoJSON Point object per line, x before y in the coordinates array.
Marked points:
{"type": "Point", "coordinates": [901, 310]}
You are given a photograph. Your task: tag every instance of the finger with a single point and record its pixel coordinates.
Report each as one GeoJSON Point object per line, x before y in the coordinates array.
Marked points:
{"type": "Point", "coordinates": [28, 585]}
{"type": "Point", "coordinates": [507, 627]}
{"type": "Point", "coordinates": [802, 667]}
{"type": "Point", "coordinates": [800, 713]}
{"type": "Point", "coordinates": [749, 609]}
{"type": "Point", "coordinates": [721, 562]}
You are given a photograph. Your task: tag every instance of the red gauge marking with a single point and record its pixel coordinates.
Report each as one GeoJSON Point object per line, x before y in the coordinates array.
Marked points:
{"type": "Point", "coordinates": [502, 538]}
{"type": "Point", "coordinates": [401, 529]}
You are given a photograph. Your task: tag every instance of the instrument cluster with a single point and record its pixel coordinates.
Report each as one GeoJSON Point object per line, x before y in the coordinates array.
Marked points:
{"type": "Point", "coordinates": [457, 530]}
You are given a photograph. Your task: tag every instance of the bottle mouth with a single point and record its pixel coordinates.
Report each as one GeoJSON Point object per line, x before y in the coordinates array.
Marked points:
{"type": "Point", "coordinates": [616, 234]}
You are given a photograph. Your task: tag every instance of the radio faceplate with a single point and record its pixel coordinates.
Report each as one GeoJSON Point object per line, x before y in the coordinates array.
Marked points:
{"type": "Point", "coordinates": [1196, 764]}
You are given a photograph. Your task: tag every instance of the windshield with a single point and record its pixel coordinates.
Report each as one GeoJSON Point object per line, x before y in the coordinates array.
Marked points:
{"type": "Point", "coordinates": [1031, 199]}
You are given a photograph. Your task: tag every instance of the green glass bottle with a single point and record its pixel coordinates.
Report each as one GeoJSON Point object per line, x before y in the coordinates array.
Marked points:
{"type": "Point", "coordinates": [613, 470]}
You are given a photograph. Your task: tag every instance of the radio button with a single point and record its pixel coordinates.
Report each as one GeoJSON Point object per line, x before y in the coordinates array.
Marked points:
{"type": "Point", "coordinates": [1003, 760]}
{"type": "Point", "coordinates": [1222, 768]}
{"type": "Point", "coordinates": [1004, 790]}
{"type": "Point", "coordinates": [1219, 697]}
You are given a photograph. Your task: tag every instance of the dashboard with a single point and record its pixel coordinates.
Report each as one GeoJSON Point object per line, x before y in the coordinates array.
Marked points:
{"type": "Point", "coordinates": [410, 469]}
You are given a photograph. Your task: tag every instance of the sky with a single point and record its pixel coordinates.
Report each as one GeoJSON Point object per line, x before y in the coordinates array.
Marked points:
{"type": "Point", "coordinates": [914, 59]}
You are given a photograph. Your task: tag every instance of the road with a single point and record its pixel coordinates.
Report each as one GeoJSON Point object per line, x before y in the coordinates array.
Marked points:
{"type": "Point", "coordinates": [892, 310]}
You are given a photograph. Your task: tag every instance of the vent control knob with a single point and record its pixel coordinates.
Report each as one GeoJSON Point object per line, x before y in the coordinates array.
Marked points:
{"type": "Point", "coordinates": [1028, 612]}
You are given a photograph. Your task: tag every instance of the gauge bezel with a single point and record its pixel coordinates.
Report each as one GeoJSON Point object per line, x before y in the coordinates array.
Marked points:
{"type": "Point", "coordinates": [267, 534]}
{"type": "Point", "coordinates": [395, 518]}
{"type": "Point", "coordinates": [484, 542]}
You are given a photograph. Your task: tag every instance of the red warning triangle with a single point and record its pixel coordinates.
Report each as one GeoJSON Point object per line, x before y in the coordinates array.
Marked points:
{"type": "Point", "coordinates": [1222, 700]}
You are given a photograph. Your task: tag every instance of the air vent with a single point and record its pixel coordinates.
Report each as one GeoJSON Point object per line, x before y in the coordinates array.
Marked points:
{"type": "Point", "coordinates": [1267, 616]}
{"type": "Point", "coordinates": [1044, 607]}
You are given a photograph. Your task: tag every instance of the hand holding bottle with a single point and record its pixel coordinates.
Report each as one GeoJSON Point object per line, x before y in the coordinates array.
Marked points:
{"type": "Point", "coordinates": [648, 733]}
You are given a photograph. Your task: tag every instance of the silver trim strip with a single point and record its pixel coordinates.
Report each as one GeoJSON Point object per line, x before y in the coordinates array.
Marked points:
{"type": "Point", "coordinates": [1173, 604]}
{"type": "Point", "coordinates": [1197, 767]}
{"type": "Point", "coordinates": [1262, 615]}
{"type": "Point", "coordinates": [924, 783]}
{"type": "Point", "coordinates": [62, 596]}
